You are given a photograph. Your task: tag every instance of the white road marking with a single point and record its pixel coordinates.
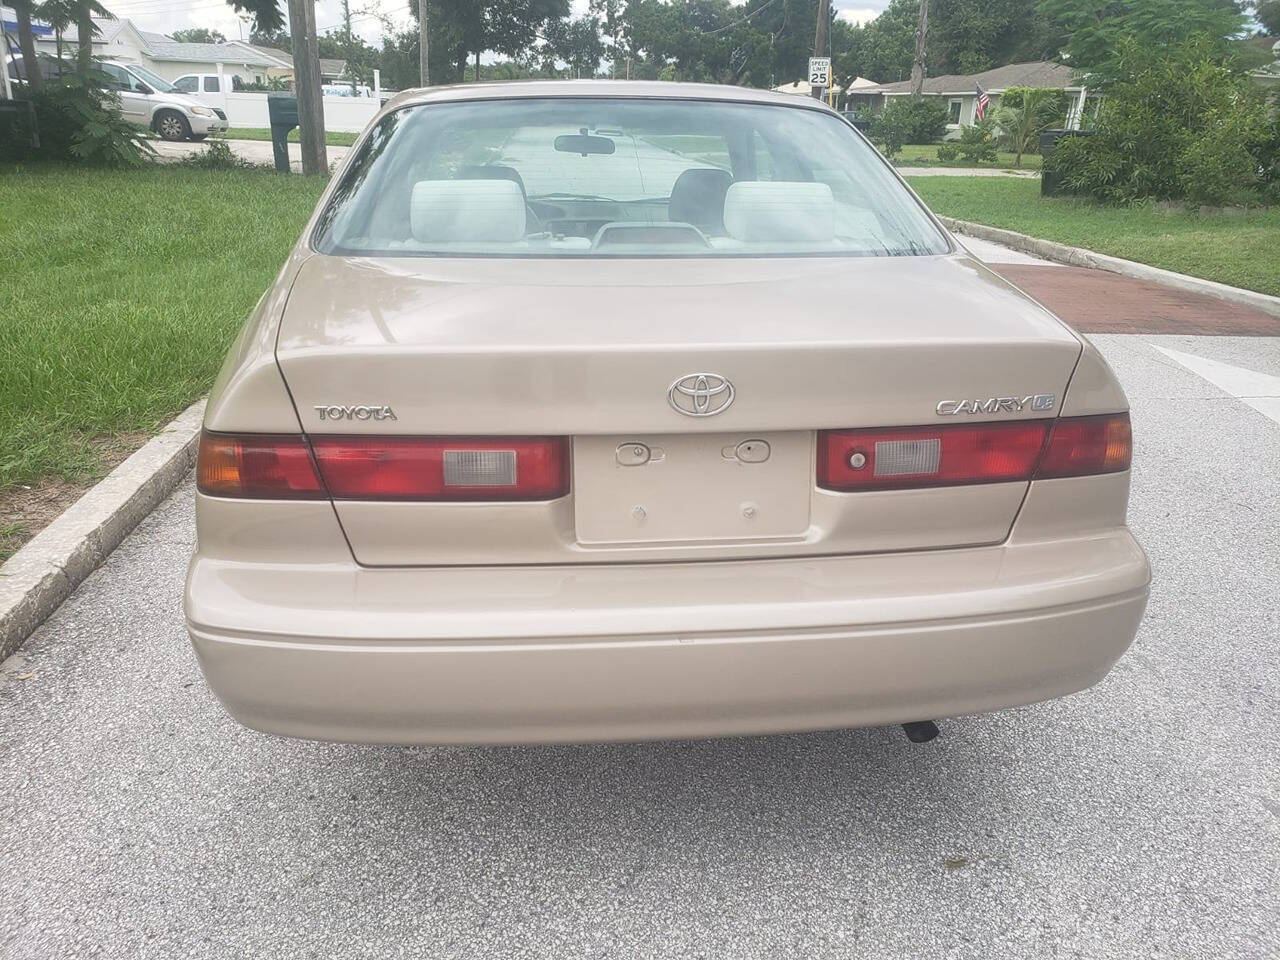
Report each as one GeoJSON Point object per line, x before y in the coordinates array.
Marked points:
{"type": "Point", "coordinates": [1259, 390]}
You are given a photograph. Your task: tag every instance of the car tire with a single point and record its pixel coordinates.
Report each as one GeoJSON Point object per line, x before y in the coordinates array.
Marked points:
{"type": "Point", "coordinates": [172, 125]}
{"type": "Point", "coordinates": [198, 136]}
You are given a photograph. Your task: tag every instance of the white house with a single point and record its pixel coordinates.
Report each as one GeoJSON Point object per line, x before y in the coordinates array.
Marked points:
{"type": "Point", "coordinates": [960, 92]}
{"type": "Point", "coordinates": [163, 55]}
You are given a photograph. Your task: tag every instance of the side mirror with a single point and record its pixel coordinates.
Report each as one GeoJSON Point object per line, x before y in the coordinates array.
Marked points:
{"type": "Point", "coordinates": [144, 89]}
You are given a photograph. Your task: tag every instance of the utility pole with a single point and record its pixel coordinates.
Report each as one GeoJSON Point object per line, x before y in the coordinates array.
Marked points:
{"type": "Point", "coordinates": [306, 84]}
{"type": "Point", "coordinates": [423, 78]}
{"type": "Point", "coordinates": [346, 44]}
{"type": "Point", "coordinates": [917, 67]}
{"type": "Point", "coordinates": [820, 38]}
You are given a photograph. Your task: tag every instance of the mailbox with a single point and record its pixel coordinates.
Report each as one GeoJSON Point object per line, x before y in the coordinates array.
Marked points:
{"type": "Point", "coordinates": [282, 109]}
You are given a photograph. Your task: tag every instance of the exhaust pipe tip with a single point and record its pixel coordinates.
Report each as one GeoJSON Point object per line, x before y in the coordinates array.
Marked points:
{"type": "Point", "coordinates": [920, 731]}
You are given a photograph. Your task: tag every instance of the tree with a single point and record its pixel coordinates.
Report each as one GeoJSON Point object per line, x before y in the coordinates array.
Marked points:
{"type": "Point", "coordinates": [1024, 116]}
{"type": "Point", "coordinates": [198, 35]}
{"type": "Point", "coordinates": [883, 49]}
{"type": "Point", "coordinates": [917, 62]}
{"type": "Point", "coordinates": [83, 12]}
{"type": "Point", "coordinates": [1267, 13]}
{"type": "Point", "coordinates": [1095, 30]}
{"type": "Point", "coordinates": [576, 42]}
{"type": "Point", "coordinates": [27, 43]}
{"type": "Point", "coordinates": [969, 36]}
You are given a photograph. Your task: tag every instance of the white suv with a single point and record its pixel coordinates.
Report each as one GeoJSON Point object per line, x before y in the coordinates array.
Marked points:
{"type": "Point", "coordinates": [153, 102]}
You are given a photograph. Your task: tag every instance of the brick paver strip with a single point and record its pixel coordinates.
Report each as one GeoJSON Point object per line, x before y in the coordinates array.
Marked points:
{"type": "Point", "coordinates": [1094, 301]}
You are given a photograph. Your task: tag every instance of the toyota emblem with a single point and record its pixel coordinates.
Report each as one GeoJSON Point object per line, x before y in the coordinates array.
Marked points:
{"type": "Point", "coordinates": [700, 394]}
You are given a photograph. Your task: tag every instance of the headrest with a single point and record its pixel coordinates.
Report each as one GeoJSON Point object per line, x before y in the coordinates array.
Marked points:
{"type": "Point", "coordinates": [697, 197]}
{"type": "Point", "coordinates": [469, 211]}
{"type": "Point", "coordinates": [779, 210]}
{"type": "Point", "coordinates": [491, 171]}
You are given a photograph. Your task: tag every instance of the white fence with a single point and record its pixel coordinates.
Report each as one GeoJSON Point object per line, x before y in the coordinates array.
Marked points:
{"type": "Point", "coordinates": [348, 114]}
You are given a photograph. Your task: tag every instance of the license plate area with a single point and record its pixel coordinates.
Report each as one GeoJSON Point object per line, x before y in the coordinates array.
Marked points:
{"type": "Point", "coordinates": [692, 487]}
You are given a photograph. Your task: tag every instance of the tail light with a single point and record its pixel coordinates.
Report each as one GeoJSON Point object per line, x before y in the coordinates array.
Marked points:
{"type": "Point", "coordinates": [258, 465]}
{"type": "Point", "coordinates": [443, 468]}
{"type": "Point", "coordinates": [952, 455]}
{"type": "Point", "coordinates": [383, 468]}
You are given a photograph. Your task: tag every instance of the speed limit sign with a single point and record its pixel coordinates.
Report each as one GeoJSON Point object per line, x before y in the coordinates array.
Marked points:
{"type": "Point", "coordinates": [819, 71]}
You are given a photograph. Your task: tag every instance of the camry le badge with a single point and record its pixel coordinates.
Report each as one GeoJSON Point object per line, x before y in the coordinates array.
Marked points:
{"type": "Point", "coordinates": [1034, 401]}
{"type": "Point", "coordinates": [700, 394]}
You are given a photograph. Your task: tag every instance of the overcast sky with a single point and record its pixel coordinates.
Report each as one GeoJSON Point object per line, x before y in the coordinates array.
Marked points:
{"type": "Point", "coordinates": [165, 16]}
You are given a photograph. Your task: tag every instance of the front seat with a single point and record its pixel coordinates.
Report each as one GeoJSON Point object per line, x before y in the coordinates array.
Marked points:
{"type": "Point", "coordinates": [697, 197]}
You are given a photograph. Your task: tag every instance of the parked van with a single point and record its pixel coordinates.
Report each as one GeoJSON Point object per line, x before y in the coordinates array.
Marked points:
{"type": "Point", "coordinates": [150, 101]}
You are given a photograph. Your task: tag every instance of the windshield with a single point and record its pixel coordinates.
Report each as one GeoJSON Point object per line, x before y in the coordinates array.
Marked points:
{"type": "Point", "coordinates": [620, 177]}
{"type": "Point", "coordinates": [151, 80]}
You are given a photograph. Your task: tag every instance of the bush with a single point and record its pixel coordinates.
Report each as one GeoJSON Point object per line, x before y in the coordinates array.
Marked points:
{"type": "Point", "coordinates": [217, 155]}
{"type": "Point", "coordinates": [948, 152]}
{"type": "Point", "coordinates": [907, 120]}
{"type": "Point", "coordinates": [1174, 126]}
{"type": "Point", "coordinates": [78, 122]}
{"type": "Point", "coordinates": [977, 144]}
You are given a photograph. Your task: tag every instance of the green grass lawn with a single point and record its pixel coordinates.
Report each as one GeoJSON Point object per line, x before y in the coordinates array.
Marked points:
{"type": "Point", "coordinates": [121, 293]}
{"type": "Point", "coordinates": [333, 138]}
{"type": "Point", "coordinates": [926, 155]}
{"type": "Point", "coordinates": [1240, 249]}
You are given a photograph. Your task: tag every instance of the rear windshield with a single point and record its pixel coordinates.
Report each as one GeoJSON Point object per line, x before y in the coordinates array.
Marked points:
{"type": "Point", "coordinates": [591, 177]}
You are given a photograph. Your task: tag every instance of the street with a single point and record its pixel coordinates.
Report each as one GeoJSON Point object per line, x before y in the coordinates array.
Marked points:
{"type": "Point", "coordinates": [1137, 819]}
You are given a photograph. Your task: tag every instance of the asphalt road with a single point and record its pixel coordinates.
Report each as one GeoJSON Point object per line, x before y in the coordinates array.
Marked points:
{"type": "Point", "coordinates": [1138, 819]}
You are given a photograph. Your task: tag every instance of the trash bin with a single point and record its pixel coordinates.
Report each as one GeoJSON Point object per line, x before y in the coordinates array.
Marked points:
{"type": "Point", "coordinates": [282, 109]}
{"type": "Point", "coordinates": [1051, 180]}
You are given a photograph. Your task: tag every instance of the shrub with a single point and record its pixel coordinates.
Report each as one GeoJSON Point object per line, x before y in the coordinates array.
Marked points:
{"type": "Point", "coordinates": [1025, 112]}
{"type": "Point", "coordinates": [78, 122]}
{"type": "Point", "coordinates": [907, 120]}
{"type": "Point", "coordinates": [217, 155]}
{"type": "Point", "coordinates": [977, 144]}
{"type": "Point", "coordinates": [1174, 126]}
{"type": "Point", "coordinates": [948, 152]}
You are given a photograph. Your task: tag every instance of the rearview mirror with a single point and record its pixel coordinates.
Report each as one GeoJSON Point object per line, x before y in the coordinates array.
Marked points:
{"type": "Point", "coordinates": [584, 144]}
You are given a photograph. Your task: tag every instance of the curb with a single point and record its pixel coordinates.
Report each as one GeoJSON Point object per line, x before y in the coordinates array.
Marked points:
{"type": "Point", "coordinates": [44, 572]}
{"type": "Point", "coordinates": [1080, 257]}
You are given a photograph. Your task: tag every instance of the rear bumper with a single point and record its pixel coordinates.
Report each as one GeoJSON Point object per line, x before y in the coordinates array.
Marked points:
{"type": "Point", "coordinates": [620, 652]}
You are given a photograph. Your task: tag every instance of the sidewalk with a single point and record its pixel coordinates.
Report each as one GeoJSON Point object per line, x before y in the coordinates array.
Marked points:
{"type": "Point", "coordinates": [1096, 301]}
{"type": "Point", "coordinates": [255, 151]}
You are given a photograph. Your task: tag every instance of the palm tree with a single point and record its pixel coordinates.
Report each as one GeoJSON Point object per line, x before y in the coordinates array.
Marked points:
{"type": "Point", "coordinates": [59, 15]}
{"type": "Point", "coordinates": [27, 43]}
{"type": "Point", "coordinates": [1023, 124]}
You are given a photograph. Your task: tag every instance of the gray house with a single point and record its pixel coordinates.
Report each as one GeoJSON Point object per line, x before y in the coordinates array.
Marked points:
{"type": "Point", "coordinates": [960, 91]}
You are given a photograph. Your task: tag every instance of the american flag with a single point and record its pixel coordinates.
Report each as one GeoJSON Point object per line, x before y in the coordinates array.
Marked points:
{"type": "Point", "coordinates": [983, 102]}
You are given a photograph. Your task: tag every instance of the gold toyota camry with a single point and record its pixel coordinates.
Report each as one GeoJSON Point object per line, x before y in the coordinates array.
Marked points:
{"type": "Point", "coordinates": [608, 411]}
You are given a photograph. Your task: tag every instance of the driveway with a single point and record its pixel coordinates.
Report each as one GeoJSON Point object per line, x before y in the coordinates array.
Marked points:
{"type": "Point", "coordinates": [1137, 819]}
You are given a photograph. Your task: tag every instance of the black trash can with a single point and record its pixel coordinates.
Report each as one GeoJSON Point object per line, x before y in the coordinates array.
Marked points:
{"type": "Point", "coordinates": [282, 109]}
{"type": "Point", "coordinates": [1051, 180]}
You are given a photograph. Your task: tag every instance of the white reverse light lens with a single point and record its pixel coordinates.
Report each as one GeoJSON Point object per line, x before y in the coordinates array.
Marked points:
{"type": "Point", "coordinates": [896, 458]}
{"type": "Point", "coordinates": [479, 468]}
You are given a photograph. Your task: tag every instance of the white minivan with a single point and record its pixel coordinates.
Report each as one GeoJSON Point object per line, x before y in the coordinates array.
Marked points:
{"type": "Point", "coordinates": [151, 101]}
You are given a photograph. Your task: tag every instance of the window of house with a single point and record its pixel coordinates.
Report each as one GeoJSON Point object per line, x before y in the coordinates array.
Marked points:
{"type": "Point", "coordinates": [210, 84]}
{"type": "Point", "coordinates": [953, 111]}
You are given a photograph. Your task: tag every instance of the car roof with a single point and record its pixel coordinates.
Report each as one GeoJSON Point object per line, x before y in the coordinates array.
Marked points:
{"type": "Point", "coordinates": [655, 89]}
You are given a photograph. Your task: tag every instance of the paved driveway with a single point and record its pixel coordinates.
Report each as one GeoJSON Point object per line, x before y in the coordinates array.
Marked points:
{"type": "Point", "coordinates": [1138, 819]}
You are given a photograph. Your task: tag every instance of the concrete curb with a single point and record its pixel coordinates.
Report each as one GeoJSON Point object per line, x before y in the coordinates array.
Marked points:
{"type": "Point", "coordinates": [1080, 257]}
{"type": "Point", "coordinates": [44, 572]}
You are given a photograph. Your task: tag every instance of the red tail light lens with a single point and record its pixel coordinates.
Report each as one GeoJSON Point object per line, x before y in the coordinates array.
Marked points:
{"type": "Point", "coordinates": [262, 466]}
{"type": "Point", "coordinates": [929, 456]}
{"type": "Point", "coordinates": [443, 468]}
{"type": "Point", "coordinates": [908, 457]}
{"type": "Point", "coordinates": [1079, 446]}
